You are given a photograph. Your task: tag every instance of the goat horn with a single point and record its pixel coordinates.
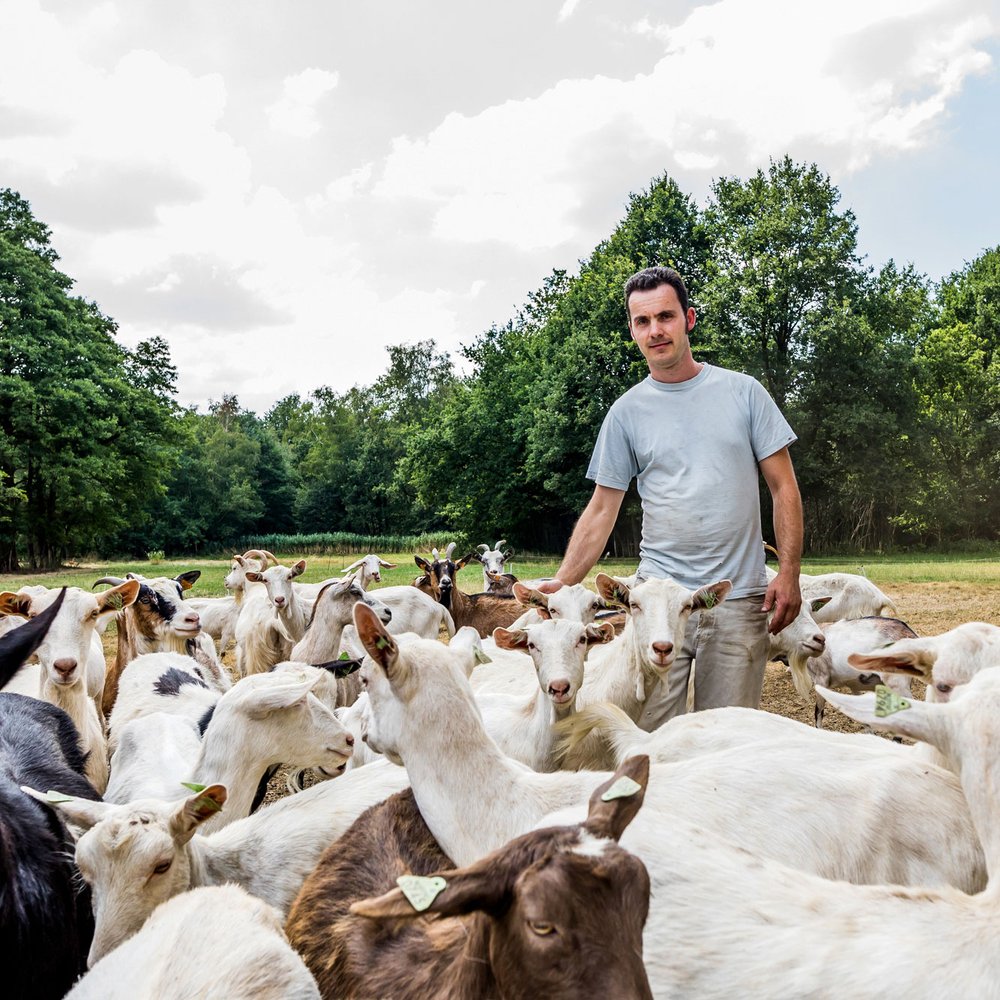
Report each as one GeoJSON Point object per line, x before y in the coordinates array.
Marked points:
{"type": "Point", "coordinates": [772, 550]}
{"type": "Point", "coordinates": [503, 541]}
{"type": "Point", "coordinates": [114, 581]}
{"type": "Point", "coordinates": [353, 565]}
{"type": "Point", "coordinates": [448, 551]}
{"type": "Point", "coordinates": [483, 547]}
{"type": "Point", "coordinates": [387, 565]}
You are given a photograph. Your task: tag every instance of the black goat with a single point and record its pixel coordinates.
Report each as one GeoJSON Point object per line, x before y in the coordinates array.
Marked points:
{"type": "Point", "coordinates": [45, 922]}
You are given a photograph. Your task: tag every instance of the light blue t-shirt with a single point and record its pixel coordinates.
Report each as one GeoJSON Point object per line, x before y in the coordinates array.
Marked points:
{"type": "Point", "coordinates": [694, 447]}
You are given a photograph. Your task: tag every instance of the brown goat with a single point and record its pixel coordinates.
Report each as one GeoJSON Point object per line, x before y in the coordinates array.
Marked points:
{"type": "Point", "coordinates": [484, 612]}
{"type": "Point", "coordinates": [555, 913]}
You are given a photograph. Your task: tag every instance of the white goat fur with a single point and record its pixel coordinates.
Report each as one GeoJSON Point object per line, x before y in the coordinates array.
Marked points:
{"type": "Point", "coordinates": [272, 620]}
{"type": "Point", "coordinates": [269, 853]}
{"type": "Point", "coordinates": [368, 570]}
{"type": "Point", "coordinates": [214, 942]}
{"type": "Point", "coordinates": [265, 719]}
{"type": "Point", "coordinates": [851, 595]}
{"type": "Point", "coordinates": [415, 611]}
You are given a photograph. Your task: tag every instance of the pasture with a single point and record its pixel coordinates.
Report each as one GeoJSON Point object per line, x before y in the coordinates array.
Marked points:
{"type": "Point", "coordinates": [933, 592]}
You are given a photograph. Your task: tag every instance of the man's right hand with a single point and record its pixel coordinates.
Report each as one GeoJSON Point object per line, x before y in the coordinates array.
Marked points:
{"type": "Point", "coordinates": [550, 586]}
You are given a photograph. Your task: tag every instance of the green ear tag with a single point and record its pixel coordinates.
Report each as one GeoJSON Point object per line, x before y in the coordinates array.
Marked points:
{"type": "Point", "coordinates": [116, 601]}
{"type": "Point", "coordinates": [480, 656]}
{"type": "Point", "coordinates": [623, 788]}
{"type": "Point", "coordinates": [51, 796]}
{"type": "Point", "coordinates": [194, 786]}
{"type": "Point", "coordinates": [420, 891]}
{"type": "Point", "coordinates": [709, 599]}
{"type": "Point", "coordinates": [381, 642]}
{"type": "Point", "coordinates": [344, 656]}
{"type": "Point", "coordinates": [887, 702]}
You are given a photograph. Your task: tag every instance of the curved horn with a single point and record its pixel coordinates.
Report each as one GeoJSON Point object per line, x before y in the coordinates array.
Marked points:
{"type": "Point", "coordinates": [261, 555]}
{"type": "Point", "coordinates": [503, 541]}
{"type": "Point", "coordinates": [114, 581]}
{"type": "Point", "coordinates": [387, 565]}
{"type": "Point", "coordinates": [483, 547]}
{"type": "Point", "coordinates": [354, 565]}
{"type": "Point", "coordinates": [434, 554]}
{"type": "Point", "coordinates": [772, 550]}
{"type": "Point", "coordinates": [448, 551]}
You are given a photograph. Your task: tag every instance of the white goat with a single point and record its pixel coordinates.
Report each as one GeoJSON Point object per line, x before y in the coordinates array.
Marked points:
{"type": "Point", "coordinates": [573, 603]}
{"type": "Point", "coordinates": [263, 721]}
{"type": "Point", "coordinates": [217, 942]}
{"type": "Point", "coordinates": [320, 641]}
{"type": "Point", "coordinates": [219, 614]}
{"type": "Point", "coordinates": [415, 611]}
{"type": "Point", "coordinates": [272, 621]}
{"type": "Point", "coordinates": [522, 727]}
{"type": "Point", "coordinates": [72, 670]}
{"type": "Point", "coordinates": [137, 856]}
{"type": "Point", "coordinates": [368, 570]}
{"type": "Point", "coordinates": [851, 595]}
{"type": "Point", "coordinates": [493, 561]}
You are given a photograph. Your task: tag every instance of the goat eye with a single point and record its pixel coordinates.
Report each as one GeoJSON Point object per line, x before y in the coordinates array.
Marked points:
{"type": "Point", "coordinates": [541, 928]}
{"type": "Point", "coordinates": [634, 606]}
{"type": "Point", "coordinates": [943, 688]}
{"type": "Point", "coordinates": [162, 867]}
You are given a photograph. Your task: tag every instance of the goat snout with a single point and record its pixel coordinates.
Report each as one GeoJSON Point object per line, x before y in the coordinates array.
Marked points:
{"type": "Point", "coordinates": [279, 601]}
{"type": "Point", "coordinates": [191, 622]}
{"type": "Point", "coordinates": [559, 691]}
{"type": "Point", "coordinates": [662, 652]}
{"type": "Point", "coordinates": [64, 667]}
{"type": "Point", "coordinates": [350, 739]}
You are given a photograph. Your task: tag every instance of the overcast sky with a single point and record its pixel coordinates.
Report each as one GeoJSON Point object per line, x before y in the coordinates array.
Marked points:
{"type": "Point", "coordinates": [281, 190]}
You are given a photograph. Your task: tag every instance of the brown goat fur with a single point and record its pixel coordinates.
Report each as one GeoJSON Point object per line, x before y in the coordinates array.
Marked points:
{"type": "Point", "coordinates": [555, 913]}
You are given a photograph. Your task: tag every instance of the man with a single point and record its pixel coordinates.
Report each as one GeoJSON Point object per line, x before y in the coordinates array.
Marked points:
{"type": "Point", "coordinates": [695, 436]}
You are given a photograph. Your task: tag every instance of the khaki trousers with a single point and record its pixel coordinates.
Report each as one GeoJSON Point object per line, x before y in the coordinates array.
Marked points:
{"type": "Point", "coordinates": [730, 645]}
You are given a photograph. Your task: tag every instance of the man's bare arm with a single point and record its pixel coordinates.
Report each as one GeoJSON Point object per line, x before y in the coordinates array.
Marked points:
{"type": "Point", "coordinates": [589, 537]}
{"type": "Point", "coordinates": [783, 594]}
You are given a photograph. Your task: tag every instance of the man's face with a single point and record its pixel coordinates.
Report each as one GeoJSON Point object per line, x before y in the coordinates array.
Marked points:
{"type": "Point", "coordinates": [660, 327]}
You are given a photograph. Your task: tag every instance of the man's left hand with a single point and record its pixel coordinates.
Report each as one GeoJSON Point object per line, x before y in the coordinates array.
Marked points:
{"type": "Point", "coordinates": [783, 599]}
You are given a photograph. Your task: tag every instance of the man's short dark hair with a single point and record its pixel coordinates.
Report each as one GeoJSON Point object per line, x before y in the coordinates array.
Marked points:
{"type": "Point", "coordinates": [652, 277]}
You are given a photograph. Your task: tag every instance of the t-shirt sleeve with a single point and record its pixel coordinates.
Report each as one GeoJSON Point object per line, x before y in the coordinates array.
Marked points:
{"type": "Point", "coordinates": [613, 462]}
{"type": "Point", "coordinates": [769, 430]}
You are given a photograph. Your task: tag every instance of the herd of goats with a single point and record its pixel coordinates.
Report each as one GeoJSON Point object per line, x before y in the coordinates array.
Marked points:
{"type": "Point", "coordinates": [467, 805]}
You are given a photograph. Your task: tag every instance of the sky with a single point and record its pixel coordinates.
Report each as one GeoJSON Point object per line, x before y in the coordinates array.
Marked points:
{"type": "Point", "coordinates": [282, 191]}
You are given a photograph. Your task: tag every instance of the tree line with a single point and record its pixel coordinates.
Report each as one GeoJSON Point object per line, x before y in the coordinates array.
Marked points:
{"type": "Point", "coordinates": [890, 380]}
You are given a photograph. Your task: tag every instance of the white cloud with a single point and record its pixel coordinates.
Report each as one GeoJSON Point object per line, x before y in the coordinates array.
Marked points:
{"type": "Point", "coordinates": [567, 9]}
{"type": "Point", "coordinates": [737, 83]}
{"type": "Point", "coordinates": [295, 113]}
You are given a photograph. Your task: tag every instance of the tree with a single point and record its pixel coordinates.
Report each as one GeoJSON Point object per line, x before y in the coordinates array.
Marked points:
{"type": "Point", "coordinates": [780, 253]}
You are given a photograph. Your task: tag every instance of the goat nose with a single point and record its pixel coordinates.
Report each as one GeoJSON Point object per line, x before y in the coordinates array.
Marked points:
{"type": "Point", "coordinates": [279, 601]}
{"type": "Point", "coordinates": [65, 665]}
{"type": "Point", "coordinates": [663, 648]}
{"type": "Point", "coordinates": [819, 639]}
{"type": "Point", "coordinates": [350, 740]}
{"type": "Point", "coordinates": [559, 688]}
{"type": "Point", "coordinates": [193, 618]}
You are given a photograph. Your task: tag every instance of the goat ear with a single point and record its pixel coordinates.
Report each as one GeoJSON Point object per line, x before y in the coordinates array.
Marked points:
{"type": "Point", "coordinates": [274, 699]}
{"type": "Point", "coordinates": [614, 803]}
{"type": "Point", "coordinates": [379, 645]}
{"type": "Point", "coordinates": [423, 564]}
{"type": "Point", "coordinates": [817, 603]}
{"type": "Point", "coordinates": [339, 668]}
{"type": "Point", "coordinates": [613, 591]}
{"type": "Point", "coordinates": [255, 577]}
{"type": "Point", "coordinates": [530, 597]}
{"type": "Point", "coordinates": [598, 634]}
{"type": "Point", "coordinates": [506, 638]}
{"type": "Point", "coordinates": [239, 560]}
{"type": "Point", "coordinates": [386, 565]}
{"type": "Point", "coordinates": [189, 579]}
{"type": "Point", "coordinates": [918, 720]}
{"type": "Point", "coordinates": [915, 662]}
{"type": "Point", "coordinates": [299, 568]}
{"type": "Point", "coordinates": [119, 597]}
{"type": "Point", "coordinates": [482, 886]}
{"type": "Point", "coordinates": [192, 812]}
{"type": "Point", "coordinates": [465, 559]}
{"type": "Point", "coordinates": [711, 594]}
{"type": "Point", "coordinates": [14, 604]}
{"type": "Point", "coordinates": [81, 813]}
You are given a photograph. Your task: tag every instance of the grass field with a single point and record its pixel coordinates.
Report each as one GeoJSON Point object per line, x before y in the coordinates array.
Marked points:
{"type": "Point", "coordinates": [885, 571]}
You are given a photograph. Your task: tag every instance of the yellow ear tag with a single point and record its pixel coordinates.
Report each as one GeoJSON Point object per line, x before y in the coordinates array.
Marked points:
{"type": "Point", "coordinates": [887, 702]}
{"type": "Point", "coordinates": [623, 788]}
{"type": "Point", "coordinates": [480, 657]}
{"type": "Point", "coordinates": [52, 796]}
{"type": "Point", "coordinates": [419, 890]}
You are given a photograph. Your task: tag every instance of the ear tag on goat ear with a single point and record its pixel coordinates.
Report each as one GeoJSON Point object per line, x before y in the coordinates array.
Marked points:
{"type": "Point", "coordinates": [887, 702]}
{"type": "Point", "coordinates": [56, 797]}
{"type": "Point", "coordinates": [480, 656]}
{"type": "Point", "coordinates": [381, 642]}
{"type": "Point", "coordinates": [619, 595]}
{"type": "Point", "coordinates": [194, 786]}
{"type": "Point", "coordinates": [623, 788]}
{"type": "Point", "coordinates": [420, 891]}
{"type": "Point", "coordinates": [344, 656]}
{"type": "Point", "coordinates": [709, 599]}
